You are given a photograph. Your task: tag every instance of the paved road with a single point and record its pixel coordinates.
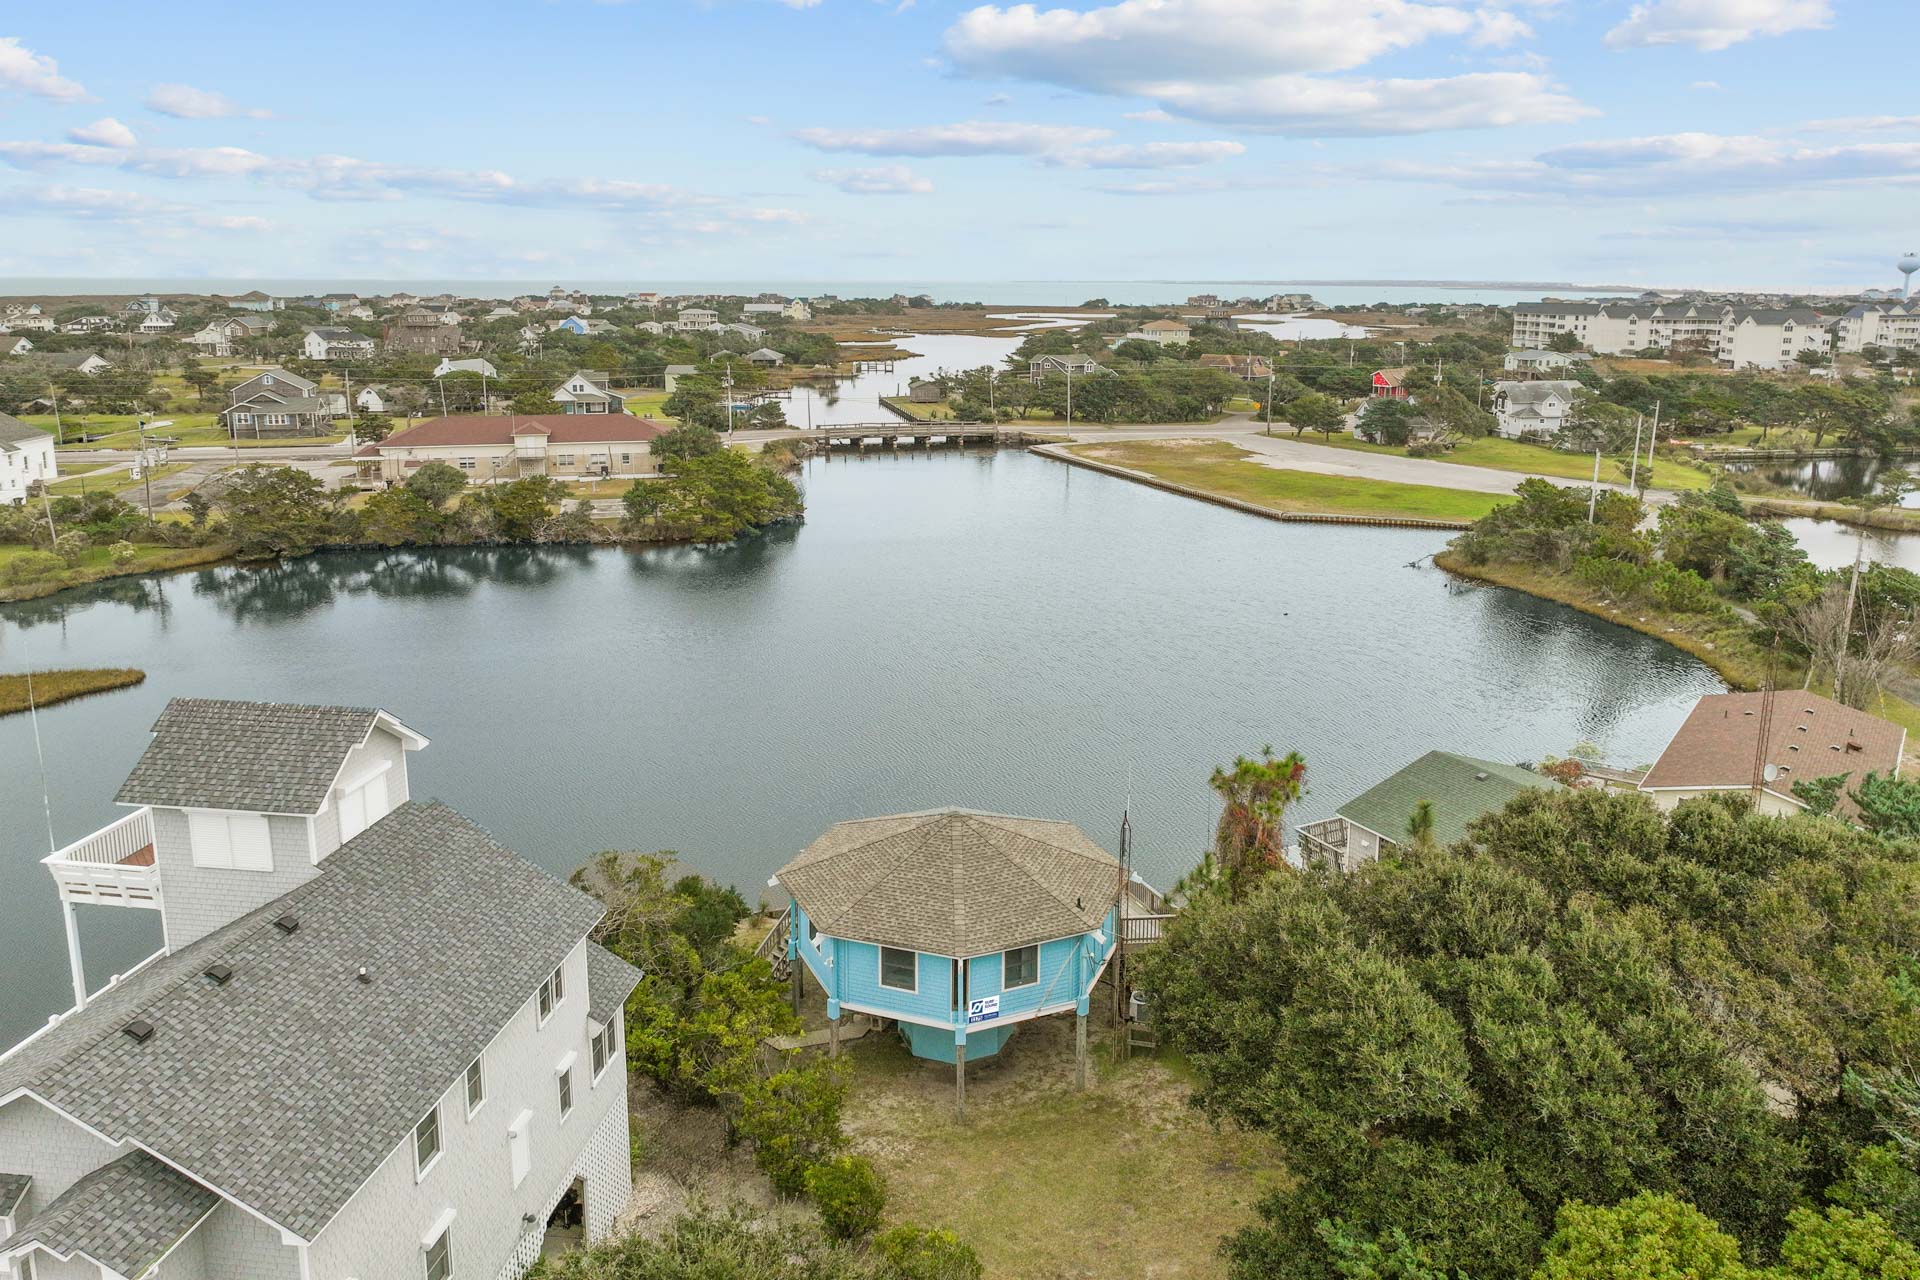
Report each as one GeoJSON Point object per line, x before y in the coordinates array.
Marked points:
{"type": "Point", "coordinates": [1295, 455]}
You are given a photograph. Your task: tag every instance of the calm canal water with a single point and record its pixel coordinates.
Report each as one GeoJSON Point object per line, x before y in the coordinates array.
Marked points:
{"type": "Point", "coordinates": [987, 629]}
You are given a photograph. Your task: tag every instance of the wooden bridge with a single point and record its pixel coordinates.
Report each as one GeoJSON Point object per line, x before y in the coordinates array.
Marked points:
{"type": "Point", "coordinates": [901, 434]}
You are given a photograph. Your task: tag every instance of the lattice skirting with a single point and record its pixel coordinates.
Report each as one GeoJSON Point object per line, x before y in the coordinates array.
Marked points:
{"type": "Point", "coordinates": [606, 1167]}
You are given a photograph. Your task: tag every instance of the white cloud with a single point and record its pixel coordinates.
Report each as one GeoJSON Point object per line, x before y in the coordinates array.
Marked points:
{"type": "Point", "coordinates": [1145, 155]}
{"type": "Point", "coordinates": [1152, 115]}
{"type": "Point", "coordinates": [1141, 41]}
{"type": "Point", "coordinates": [1706, 86]}
{"type": "Point", "coordinates": [106, 132]}
{"type": "Point", "coordinates": [1862, 124]}
{"type": "Point", "coordinates": [1712, 25]}
{"type": "Point", "coordinates": [884, 180]}
{"type": "Point", "coordinates": [232, 222]}
{"type": "Point", "coordinates": [1671, 165]}
{"type": "Point", "coordinates": [1318, 107]}
{"type": "Point", "coordinates": [184, 102]}
{"type": "Point", "coordinates": [1265, 64]}
{"type": "Point", "coordinates": [970, 138]}
{"type": "Point", "coordinates": [28, 72]}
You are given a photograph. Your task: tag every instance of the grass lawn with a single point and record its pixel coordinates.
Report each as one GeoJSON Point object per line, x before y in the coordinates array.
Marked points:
{"type": "Point", "coordinates": [50, 687]}
{"type": "Point", "coordinates": [1220, 468]}
{"type": "Point", "coordinates": [1517, 455]}
{"type": "Point", "coordinates": [1046, 1182]}
{"type": "Point", "coordinates": [95, 563]}
{"type": "Point", "coordinates": [122, 431]}
{"type": "Point", "coordinates": [79, 482]}
{"type": "Point", "coordinates": [919, 412]}
{"type": "Point", "coordinates": [646, 402]}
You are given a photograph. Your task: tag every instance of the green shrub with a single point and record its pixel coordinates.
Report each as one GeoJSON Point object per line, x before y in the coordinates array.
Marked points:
{"type": "Point", "coordinates": [122, 553]}
{"type": "Point", "coordinates": [926, 1253]}
{"type": "Point", "coordinates": [792, 1118]}
{"type": "Point", "coordinates": [849, 1193]}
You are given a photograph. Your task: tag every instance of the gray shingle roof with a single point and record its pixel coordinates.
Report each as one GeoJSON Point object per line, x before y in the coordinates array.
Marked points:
{"type": "Point", "coordinates": [289, 1084]}
{"type": "Point", "coordinates": [610, 980]}
{"type": "Point", "coordinates": [124, 1215]}
{"type": "Point", "coordinates": [953, 882]}
{"type": "Point", "coordinates": [13, 1189]}
{"type": "Point", "coordinates": [13, 430]}
{"type": "Point", "coordinates": [269, 757]}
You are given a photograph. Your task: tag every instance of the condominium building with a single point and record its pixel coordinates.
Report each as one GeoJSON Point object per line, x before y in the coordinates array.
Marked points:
{"type": "Point", "coordinates": [1745, 338]}
{"type": "Point", "coordinates": [1894, 324]}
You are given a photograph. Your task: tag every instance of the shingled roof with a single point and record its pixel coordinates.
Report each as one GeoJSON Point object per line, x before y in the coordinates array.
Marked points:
{"type": "Point", "coordinates": [264, 757]}
{"type": "Point", "coordinates": [1460, 789]}
{"type": "Point", "coordinates": [953, 882]}
{"type": "Point", "coordinates": [288, 1084]}
{"type": "Point", "coordinates": [610, 980]}
{"type": "Point", "coordinates": [124, 1215]}
{"type": "Point", "coordinates": [1811, 737]}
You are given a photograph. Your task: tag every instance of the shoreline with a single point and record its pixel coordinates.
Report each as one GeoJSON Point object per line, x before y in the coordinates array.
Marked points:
{"type": "Point", "coordinates": [53, 687]}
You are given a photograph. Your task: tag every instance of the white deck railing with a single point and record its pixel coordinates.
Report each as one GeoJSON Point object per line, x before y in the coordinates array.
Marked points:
{"type": "Point", "coordinates": [100, 868]}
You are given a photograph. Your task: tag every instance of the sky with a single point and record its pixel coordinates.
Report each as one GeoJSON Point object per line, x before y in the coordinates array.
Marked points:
{"type": "Point", "coordinates": [1714, 143]}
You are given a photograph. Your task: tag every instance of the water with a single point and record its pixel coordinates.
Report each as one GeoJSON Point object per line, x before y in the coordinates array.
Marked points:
{"type": "Point", "coordinates": [1827, 479]}
{"type": "Point", "coordinates": [857, 399]}
{"type": "Point", "coordinates": [1831, 544]}
{"type": "Point", "coordinates": [1026, 293]}
{"type": "Point", "coordinates": [995, 630]}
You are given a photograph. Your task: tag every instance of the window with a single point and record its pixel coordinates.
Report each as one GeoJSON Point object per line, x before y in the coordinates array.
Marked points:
{"type": "Point", "coordinates": [476, 1085]}
{"type": "Point", "coordinates": [1022, 967]}
{"type": "Point", "coordinates": [626, 459]}
{"type": "Point", "coordinates": [552, 992]}
{"type": "Point", "coordinates": [566, 1091]}
{"type": "Point", "coordinates": [563, 459]}
{"type": "Point", "coordinates": [599, 1052]}
{"type": "Point", "coordinates": [440, 1256]}
{"type": "Point", "coordinates": [518, 1151]}
{"type": "Point", "coordinates": [243, 419]}
{"type": "Point", "coordinates": [466, 464]}
{"type": "Point", "coordinates": [230, 841]}
{"type": "Point", "coordinates": [899, 969]}
{"type": "Point", "coordinates": [426, 1141]}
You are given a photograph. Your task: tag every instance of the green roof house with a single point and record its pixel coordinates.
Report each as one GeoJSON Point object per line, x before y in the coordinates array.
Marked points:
{"type": "Point", "coordinates": [1459, 789]}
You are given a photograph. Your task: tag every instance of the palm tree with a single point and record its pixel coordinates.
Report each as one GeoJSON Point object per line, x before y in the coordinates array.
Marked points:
{"type": "Point", "coordinates": [1251, 838]}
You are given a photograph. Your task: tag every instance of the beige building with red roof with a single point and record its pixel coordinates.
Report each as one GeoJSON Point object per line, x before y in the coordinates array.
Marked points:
{"type": "Point", "coordinates": [490, 448]}
{"type": "Point", "coordinates": [1807, 737]}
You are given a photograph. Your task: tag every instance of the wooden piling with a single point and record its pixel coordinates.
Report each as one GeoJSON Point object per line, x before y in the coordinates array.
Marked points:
{"type": "Point", "coordinates": [1080, 1049]}
{"type": "Point", "coordinates": [960, 1081]}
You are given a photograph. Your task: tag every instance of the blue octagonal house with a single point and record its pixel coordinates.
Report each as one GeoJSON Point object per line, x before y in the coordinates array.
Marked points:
{"type": "Point", "coordinates": [958, 925]}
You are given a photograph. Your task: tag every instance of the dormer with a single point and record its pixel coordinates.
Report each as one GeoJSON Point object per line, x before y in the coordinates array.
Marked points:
{"type": "Point", "coordinates": [245, 799]}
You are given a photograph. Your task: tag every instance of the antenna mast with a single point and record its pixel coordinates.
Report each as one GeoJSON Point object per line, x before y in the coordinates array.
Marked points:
{"type": "Point", "coordinates": [1120, 920]}
{"type": "Point", "coordinates": [1765, 726]}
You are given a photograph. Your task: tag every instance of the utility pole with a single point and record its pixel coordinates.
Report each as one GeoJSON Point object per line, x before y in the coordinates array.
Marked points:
{"type": "Point", "coordinates": [1069, 396]}
{"type": "Point", "coordinates": [1633, 469]}
{"type": "Point", "coordinates": [1593, 494]}
{"type": "Point", "coordinates": [1653, 436]}
{"type": "Point", "coordinates": [146, 469]}
{"type": "Point", "coordinates": [727, 383]}
{"type": "Point", "coordinates": [1269, 399]}
{"type": "Point", "coordinates": [59, 431]}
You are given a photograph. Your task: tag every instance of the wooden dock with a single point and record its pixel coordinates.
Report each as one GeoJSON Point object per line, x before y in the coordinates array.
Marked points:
{"type": "Point", "coordinates": [906, 433]}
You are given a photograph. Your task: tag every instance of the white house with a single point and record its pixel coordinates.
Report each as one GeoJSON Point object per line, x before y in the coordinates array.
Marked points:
{"type": "Point", "coordinates": [375, 1042]}
{"type": "Point", "coordinates": [588, 391]}
{"type": "Point", "coordinates": [1532, 408]}
{"type": "Point", "coordinates": [1166, 333]}
{"type": "Point", "coordinates": [157, 321]}
{"type": "Point", "coordinates": [18, 347]}
{"type": "Point", "coordinates": [1537, 361]}
{"type": "Point", "coordinates": [370, 400]}
{"type": "Point", "coordinates": [1894, 323]}
{"type": "Point", "coordinates": [476, 365]}
{"type": "Point", "coordinates": [336, 344]}
{"type": "Point", "coordinates": [1745, 338]}
{"type": "Point", "coordinates": [697, 319]}
{"type": "Point", "coordinates": [27, 458]}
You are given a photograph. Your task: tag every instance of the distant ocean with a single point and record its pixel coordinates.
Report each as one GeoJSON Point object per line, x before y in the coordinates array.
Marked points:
{"type": "Point", "coordinates": [1024, 293]}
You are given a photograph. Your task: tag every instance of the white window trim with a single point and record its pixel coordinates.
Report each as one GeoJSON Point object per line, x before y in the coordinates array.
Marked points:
{"type": "Point", "coordinates": [420, 1171]}
{"type": "Point", "coordinates": [521, 1130]}
{"type": "Point", "coordinates": [564, 1071]}
{"type": "Point", "coordinates": [915, 988]}
{"type": "Point", "coordinates": [607, 1060]}
{"type": "Point", "coordinates": [473, 1108]}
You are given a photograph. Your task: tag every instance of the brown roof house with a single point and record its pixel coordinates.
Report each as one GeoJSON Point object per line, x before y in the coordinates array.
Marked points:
{"type": "Point", "coordinates": [1807, 737]}
{"type": "Point", "coordinates": [488, 448]}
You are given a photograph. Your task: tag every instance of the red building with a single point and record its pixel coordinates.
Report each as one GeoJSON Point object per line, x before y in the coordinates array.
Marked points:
{"type": "Point", "coordinates": [1390, 382]}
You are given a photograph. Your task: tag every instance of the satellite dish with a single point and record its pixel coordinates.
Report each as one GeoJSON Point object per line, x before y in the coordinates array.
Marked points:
{"type": "Point", "coordinates": [1771, 772]}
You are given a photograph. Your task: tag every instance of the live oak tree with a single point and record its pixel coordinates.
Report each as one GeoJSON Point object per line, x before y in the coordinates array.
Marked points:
{"type": "Point", "coordinates": [1583, 1001]}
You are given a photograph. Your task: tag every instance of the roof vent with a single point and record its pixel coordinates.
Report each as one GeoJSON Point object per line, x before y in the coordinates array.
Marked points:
{"type": "Point", "coordinates": [220, 973]}
{"type": "Point", "coordinates": [363, 975]}
{"type": "Point", "coordinates": [287, 923]}
{"type": "Point", "coordinates": [139, 1030]}
{"type": "Point", "coordinates": [1481, 776]}
{"type": "Point", "coordinates": [1747, 712]}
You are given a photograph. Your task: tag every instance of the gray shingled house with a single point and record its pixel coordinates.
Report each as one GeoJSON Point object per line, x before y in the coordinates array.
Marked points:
{"type": "Point", "coordinates": [376, 1044]}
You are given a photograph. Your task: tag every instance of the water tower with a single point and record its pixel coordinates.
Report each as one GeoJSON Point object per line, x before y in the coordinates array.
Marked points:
{"type": "Point", "coordinates": [1908, 265]}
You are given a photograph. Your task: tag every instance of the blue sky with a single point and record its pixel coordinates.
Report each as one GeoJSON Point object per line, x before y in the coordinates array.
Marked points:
{"type": "Point", "coordinates": [1709, 142]}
